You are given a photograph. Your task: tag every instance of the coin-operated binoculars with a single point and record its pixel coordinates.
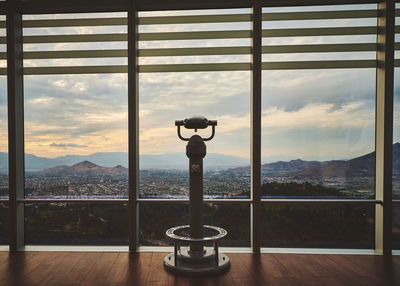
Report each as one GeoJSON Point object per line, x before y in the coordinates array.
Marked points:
{"type": "Point", "coordinates": [196, 258]}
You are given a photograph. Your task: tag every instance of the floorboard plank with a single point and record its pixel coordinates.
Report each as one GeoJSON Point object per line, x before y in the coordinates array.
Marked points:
{"type": "Point", "coordinates": [139, 268]}
{"type": "Point", "coordinates": [251, 266]}
{"type": "Point", "coordinates": [99, 273]}
{"type": "Point", "coordinates": [85, 264]}
{"type": "Point", "coordinates": [299, 266]}
{"type": "Point", "coordinates": [41, 274]}
{"type": "Point", "coordinates": [157, 273]}
{"type": "Point", "coordinates": [17, 267]}
{"type": "Point", "coordinates": [340, 272]}
{"type": "Point", "coordinates": [61, 274]}
{"type": "Point", "coordinates": [239, 266]}
{"type": "Point", "coordinates": [120, 270]}
{"type": "Point", "coordinates": [349, 264]}
{"type": "Point", "coordinates": [382, 269]}
{"type": "Point", "coordinates": [271, 266]}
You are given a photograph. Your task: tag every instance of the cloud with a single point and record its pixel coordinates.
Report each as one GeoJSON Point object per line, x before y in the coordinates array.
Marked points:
{"type": "Point", "coordinates": [293, 89]}
{"type": "Point", "coordinates": [325, 115]}
{"type": "Point", "coordinates": [3, 137]}
{"type": "Point", "coordinates": [185, 94]}
{"type": "Point", "coordinates": [355, 114]}
{"type": "Point", "coordinates": [349, 127]}
{"type": "Point", "coordinates": [62, 145]}
{"type": "Point", "coordinates": [319, 131]}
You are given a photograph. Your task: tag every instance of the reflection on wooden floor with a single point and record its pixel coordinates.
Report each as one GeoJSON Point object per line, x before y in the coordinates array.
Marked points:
{"type": "Point", "coordinates": [97, 268]}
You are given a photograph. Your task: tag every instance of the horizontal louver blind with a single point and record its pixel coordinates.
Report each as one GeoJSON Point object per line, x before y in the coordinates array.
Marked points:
{"type": "Point", "coordinates": [237, 20]}
{"type": "Point", "coordinates": [320, 38]}
{"type": "Point", "coordinates": [75, 44]}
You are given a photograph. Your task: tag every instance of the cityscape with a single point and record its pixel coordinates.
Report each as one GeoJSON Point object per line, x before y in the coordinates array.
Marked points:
{"type": "Point", "coordinates": [354, 178]}
{"type": "Point", "coordinates": [161, 184]}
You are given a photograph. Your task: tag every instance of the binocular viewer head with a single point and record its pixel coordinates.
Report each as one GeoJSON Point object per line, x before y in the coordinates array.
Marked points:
{"type": "Point", "coordinates": [196, 122]}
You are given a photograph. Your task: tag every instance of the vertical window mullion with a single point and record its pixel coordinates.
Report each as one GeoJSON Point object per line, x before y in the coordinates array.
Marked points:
{"type": "Point", "coordinates": [256, 126]}
{"type": "Point", "coordinates": [384, 127]}
{"type": "Point", "coordinates": [15, 128]}
{"type": "Point", "coordinates": [133, 125]}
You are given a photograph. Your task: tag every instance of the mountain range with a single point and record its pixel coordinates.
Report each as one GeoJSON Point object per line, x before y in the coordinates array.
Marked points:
{"type": "Point", "coordinates": [111, 159]}
{"type": "Point", "coordinates": [283, 166]}
{"type": "Point", "coordinates": [116, 163]}
{"type": "Point", "coordinates": [363, 166]}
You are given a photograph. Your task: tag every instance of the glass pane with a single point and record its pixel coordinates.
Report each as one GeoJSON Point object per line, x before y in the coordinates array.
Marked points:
{"type": "Point", "coordinates": [318, 125]}
{"type": "Point", "coordinates": [220, 95]}
{"type": "Point", "coordinates": [76, 125]}
{"type": "Point", "coordinates": [319, 129]}
{"type": "Point", "coordinates": [76, 224]}
{"type": "Point", "coordinates": [156, 218]}
{"type": "Point", "coordinates": [307, 226]}
{"type": "Point", "coordinates": [3, 223]}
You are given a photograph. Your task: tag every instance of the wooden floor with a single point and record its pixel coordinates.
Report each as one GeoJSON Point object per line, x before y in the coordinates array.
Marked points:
{"type": "Point", "coordinates": [96, 268]}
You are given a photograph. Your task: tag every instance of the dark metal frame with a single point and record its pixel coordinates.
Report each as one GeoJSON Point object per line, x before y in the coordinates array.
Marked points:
{"type": "Point", "coordinates": [82, 6]}
{"type": "Point", "coordinates": [14, 10]}
{"type": "Point", "coordinates": [384, 127]}
{"type": "Point", "coordinates": [256, 83]}
{"type": "Point", "coordinates": [133, 125]}
{"type": "Point", "coordinates": [15, 126]}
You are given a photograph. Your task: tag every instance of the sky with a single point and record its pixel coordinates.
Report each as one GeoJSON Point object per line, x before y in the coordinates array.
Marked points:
{"type": "Point", "coordinates": [308, 114]}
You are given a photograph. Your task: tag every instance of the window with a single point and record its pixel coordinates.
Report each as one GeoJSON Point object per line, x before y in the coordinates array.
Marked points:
{"type": "Point", "coordinates": [194, 66]}
{"type": "Point", "coordinates": [75, 107]}
{"type": "Point", "coordinates": [197, 64]}
{"type": "Point", "coordinates": [76, 126]}
{"type": "Point", "coordinates": [318, 119]}
{"type": "Point", "coordinates": [318, 124]}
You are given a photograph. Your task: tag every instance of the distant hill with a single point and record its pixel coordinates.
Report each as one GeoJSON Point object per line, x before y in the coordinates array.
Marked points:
{"type": "Point", "coordinates": [85, 168]}
{"type": "Point", "coordinates": [363, 166]}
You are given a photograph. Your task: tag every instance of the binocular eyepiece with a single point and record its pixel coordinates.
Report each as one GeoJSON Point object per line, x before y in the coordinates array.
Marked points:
{"type": "Point", "coordinates": [196, 122]}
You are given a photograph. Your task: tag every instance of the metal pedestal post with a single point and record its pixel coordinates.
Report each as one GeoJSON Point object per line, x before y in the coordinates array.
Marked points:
{"type": "Point", "coordinates": [196, 150]}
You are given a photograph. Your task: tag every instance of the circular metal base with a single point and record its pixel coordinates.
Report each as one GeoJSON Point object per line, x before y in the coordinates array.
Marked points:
{"type": "Point", "coordinates": [188, 266]}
